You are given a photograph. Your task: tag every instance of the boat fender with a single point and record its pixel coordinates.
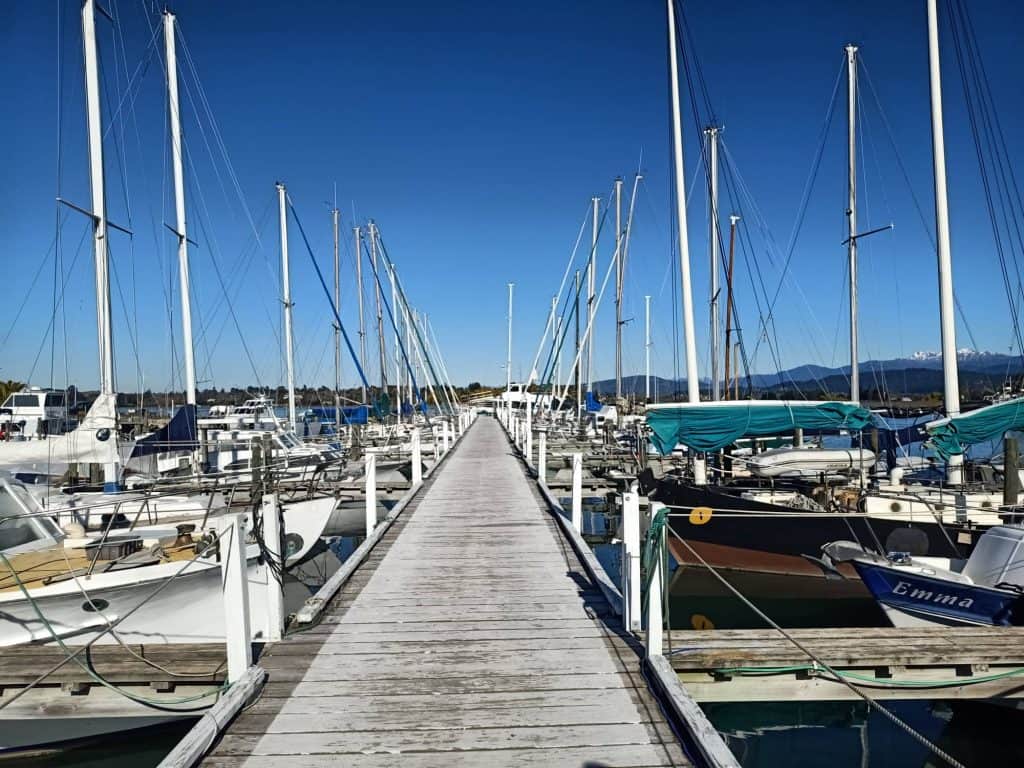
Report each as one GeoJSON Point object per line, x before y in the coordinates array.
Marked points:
{"type": "Point", "coordinates": [700, 515]}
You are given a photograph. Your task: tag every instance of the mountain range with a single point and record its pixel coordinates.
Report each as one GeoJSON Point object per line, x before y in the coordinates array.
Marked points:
{"type": "Point", "coordinates": [918, 374]}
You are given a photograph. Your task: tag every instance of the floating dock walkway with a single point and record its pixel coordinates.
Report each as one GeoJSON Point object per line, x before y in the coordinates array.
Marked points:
{"type": "Point", "coordinates": [472, 634]}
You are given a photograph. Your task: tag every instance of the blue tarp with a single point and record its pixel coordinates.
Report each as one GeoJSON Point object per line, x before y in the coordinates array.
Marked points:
{"type": "Point", "coordinates": [179, 434]}
{"type": "Point", "coordinates": [707, 427]}
{"type": "Point", "coordinates": [951, 437]}
{"type": "Point", "coordinates": [593, 406]}
{"type": "Point", "coordinates": [350, 414]}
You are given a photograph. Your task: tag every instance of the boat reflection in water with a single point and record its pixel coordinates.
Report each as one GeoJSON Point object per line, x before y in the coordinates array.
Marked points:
{"type": "Point", "coordinates": [851, 735]}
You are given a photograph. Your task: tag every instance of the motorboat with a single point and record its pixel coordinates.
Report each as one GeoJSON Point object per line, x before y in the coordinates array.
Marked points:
{"type": "Point", "coordinates": [986, 589]}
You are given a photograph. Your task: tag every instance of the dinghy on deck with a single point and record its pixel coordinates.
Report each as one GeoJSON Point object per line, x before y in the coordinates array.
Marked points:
{"type": "Point", "coordinates": [810, 462]}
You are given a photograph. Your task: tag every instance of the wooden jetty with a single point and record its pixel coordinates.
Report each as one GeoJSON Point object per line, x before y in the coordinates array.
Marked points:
{"type": "Point", "coordinates": [887, 662]}
{"type": "Point", "coordinates": [472, 634]}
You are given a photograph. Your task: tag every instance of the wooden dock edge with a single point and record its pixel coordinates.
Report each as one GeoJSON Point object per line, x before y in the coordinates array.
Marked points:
{"type": "Point", "coordinates": [699, 734]}
{"type": "Point", "coordinates": [694, 729]}
{"type": "Point", "coordinates": [208, 728]}
{"type": "Point", "coordinates": [595, 570]}
{"type": "Point", "coordinates": [315, 605]}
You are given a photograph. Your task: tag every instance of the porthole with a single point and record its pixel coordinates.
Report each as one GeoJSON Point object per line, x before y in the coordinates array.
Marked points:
{"type": "Point", "coordinates": [895, 506]}
{"type": "Point", "coordinates": [94, 605]}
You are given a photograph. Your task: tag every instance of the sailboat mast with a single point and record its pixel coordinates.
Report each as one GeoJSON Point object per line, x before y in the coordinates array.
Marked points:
{"type": "Point", "coordinates": [336, 221]}
{"type": "Point", "coordinates": [413, 394]}
{"type": "Point", "coordinates": [398, 345]}
{"type": "Point", "coordinates": [618, 289]}
{"type": "Point", "coordinates": [380, 316]}
{"type": "Point", "coordinates": [576, 368]}
{"type": "Point", "coordinates": [558, 347]}
{"type": "Point", "coordinates": [179, 207]}
{"type": "Point", "coordinates": [647, 349]}
{"type": "Point", "coordinates": [851, 214]}
{"type": "Point", "coordinates": [692, 380]}
{"type": "Point", "coordinates": [286, 299]}
{"type": "Point", "coordinates": [99, 199]}
{"type": "Point", "coordinates": [591, 292]}
{"type": "Point", "coordinates": [712, 136]}
{"type": "Point", "coordinates": [508, 361]}
{"type": "Point", "coordinates": [729, 299]}
{"type": "Point", "coordinates": [946, 301]}
{"type": "Point", "coordinates": [99, 218]}
{"type": "Point", "coordinates": [357, 237]}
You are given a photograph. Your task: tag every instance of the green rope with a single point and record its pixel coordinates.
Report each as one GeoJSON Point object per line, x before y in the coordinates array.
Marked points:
{"type": "Point", "coordinates": [764, 671]}
{"type": "Point", "coordinates": [656, 552]}
{"type": "Point", "coordinates": [91, 672]}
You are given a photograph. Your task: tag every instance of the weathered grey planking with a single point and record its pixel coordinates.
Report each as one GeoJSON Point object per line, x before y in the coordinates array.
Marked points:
{"type": "Point", "coordinates": [472, 635]}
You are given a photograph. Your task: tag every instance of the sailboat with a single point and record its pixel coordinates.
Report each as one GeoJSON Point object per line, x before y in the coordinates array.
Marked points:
{"type": "Point", "coordinates": [778, 522]}
{"type": "Point", "coordinates": [42, 588]}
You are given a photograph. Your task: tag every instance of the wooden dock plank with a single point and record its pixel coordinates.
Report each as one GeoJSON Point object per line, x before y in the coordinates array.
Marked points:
{"type": "Point", "coordinates": [471, 635]}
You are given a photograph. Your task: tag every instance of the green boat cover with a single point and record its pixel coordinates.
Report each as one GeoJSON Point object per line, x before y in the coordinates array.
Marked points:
{"type": "Point", "coordinates": [706, 427]}
{"type": "Point", "coordinates": [950, 437]}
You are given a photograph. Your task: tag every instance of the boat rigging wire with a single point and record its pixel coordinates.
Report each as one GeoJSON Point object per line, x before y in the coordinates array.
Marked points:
{"type": "Point", "coordinates": [327, 293]}
{"type": "Point", "coordinates": [885, 712]}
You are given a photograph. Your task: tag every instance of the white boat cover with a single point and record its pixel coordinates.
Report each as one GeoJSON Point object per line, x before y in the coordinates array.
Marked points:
{"type": "Point", "coordinates": [94, 441]}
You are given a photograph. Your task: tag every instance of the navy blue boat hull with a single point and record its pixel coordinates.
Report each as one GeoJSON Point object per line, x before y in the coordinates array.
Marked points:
{"type": "Point", "coordinates": [939, 601]}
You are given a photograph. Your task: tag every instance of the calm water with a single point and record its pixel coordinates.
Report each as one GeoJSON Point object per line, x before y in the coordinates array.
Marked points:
{"type": "Point", "coordinates": [761, 735]}
{"type": "Point", "coordinates": [817, 734]}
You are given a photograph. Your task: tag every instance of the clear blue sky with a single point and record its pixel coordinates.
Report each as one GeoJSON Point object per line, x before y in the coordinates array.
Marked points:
{"type": "Point", "coordinates": [475, 133]}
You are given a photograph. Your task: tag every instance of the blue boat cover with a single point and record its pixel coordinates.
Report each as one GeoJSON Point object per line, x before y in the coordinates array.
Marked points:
{"type": "Point", "coordinates": [951, 437]}
{"type": "Point", "coordinates": [178, 434]}
{"type": "Point", "coordinates": [350, 414]}
{"type": "Point", "coordinates": [705, 427]}
{"type": "Point", "coordinates": [593, 406]}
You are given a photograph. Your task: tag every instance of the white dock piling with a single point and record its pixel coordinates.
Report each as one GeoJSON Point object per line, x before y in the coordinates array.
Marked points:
{"type": "Point", "coordinates": [436, 442]}
{"type": "Point", "coordinates": [655, 621]}
{"type": "Point", "coordinates": [371, 492]}
{"type": "Point", "coordinates": [542, 454]}
{"type": "Point", "coordinates": [235, 589]}
{"type": "Point", "coordinates": [417, 457]}
{"type": "Point", "coordinates": [274, 538]}
{"type": "Point", "coordinates": [577, 492]}
{"type": "Point", "coordinates": [444, 436]}
{"type": "Point", "coordinates": [631, 559]}
{"type": "Point", "coordinates": [528, 436]}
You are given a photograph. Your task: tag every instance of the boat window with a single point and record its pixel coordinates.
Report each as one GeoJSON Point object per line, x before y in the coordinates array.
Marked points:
{"type": "Point", "coordinates": [54, 399]}
{"type": "Point", "coordinates": [16, 529]}
{"type": "Point", "coordinates": [26, 401]}
{"type": "Point", "coordinates": [996, 558]}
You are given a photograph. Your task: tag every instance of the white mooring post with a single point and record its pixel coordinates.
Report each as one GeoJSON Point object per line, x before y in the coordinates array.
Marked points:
{"type": "Point", "coordinates": [528, 435]}
{"type": "Point", "coordinates": [273, 535]}
{"type": "Point", "coordinates": [371, 492]}
{"type": "Point", "coordinates": [417, 457]}
{"type": "Point", "coordinates": [542, 454]}
{"type": "Point", "coordinates": [231, 529]}
{"type": "Point", "coordinates": [444, 437]}
{"type": "Point", "coordinates": [577, 492]}
{"type": "Point", "coordinates": [631, 559]}
{"type": "Point", "coordinates": [654, 610]}
{"type": "Point", "coordinates": [436, 443]}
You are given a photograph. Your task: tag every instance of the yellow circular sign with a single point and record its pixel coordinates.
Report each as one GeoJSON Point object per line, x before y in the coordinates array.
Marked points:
{"type": "Point", "coordinates": [700, 515]}
{"type": "Point", "coordinates": [700, 621]}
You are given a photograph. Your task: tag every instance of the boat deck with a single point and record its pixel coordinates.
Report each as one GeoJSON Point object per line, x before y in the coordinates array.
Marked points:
{"type": "Point", "coordinates": [471, 635]}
